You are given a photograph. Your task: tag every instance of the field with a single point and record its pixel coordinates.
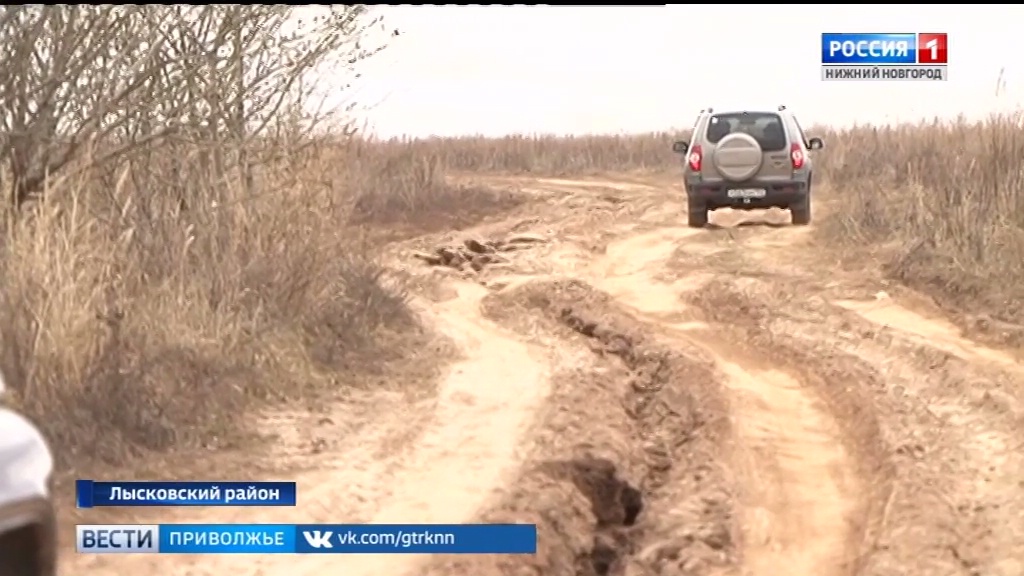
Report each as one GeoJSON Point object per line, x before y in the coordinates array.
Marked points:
{"type": "Point", "coordinates": [141, 328]}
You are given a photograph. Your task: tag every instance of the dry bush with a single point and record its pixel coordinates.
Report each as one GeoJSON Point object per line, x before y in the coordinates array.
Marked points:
{"type": "Point", "coordinates": [189, 252]}
{"type": "Point", "coordinates": [542, 155]}
{"type": "Point", "coordinates": [128, 317]}
{"type": "Point", "coordinates": [179, 244]}
{"type": "Point", "coordinates": [948, 197]}
{"type": "Point", "coordinates": [404, 186]}
{"type": "Point", "coordinates": [943, 200]}
{"type": "Point", "coordinates": [134, 321]}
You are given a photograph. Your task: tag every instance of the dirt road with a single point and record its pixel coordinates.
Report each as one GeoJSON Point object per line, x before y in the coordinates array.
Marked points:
{"type": "Point", "coordinates": [467, 447]}
{"type": "Point", "coordinates": [663, 400]}
{"type": "Point", "coordinates": [797, 482]}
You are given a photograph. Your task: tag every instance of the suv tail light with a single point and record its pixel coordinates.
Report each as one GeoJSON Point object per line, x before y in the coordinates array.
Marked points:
{"type": "Point", "coordinates": [695, 157]}
{"type": "Point", "coordinates": [796, 156]}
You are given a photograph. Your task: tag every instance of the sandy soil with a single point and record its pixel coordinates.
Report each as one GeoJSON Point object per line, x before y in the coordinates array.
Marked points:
{"type": "Point", "coordinates": [469, 449]}
{"type": "Point", "coordinates": [663, 400]}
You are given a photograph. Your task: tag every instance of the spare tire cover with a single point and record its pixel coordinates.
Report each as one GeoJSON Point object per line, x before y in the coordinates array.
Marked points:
{"type": "Point", "coordinates": [738, 156]}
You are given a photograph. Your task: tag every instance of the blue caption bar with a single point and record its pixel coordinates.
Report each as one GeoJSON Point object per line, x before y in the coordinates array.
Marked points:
{"type": "Point", "coordinates": [868, 48]}
{"type": "Point", "coordinates": [91, 494]}
{"type": "Point", "coordinates": [417, 539]}
{"type": "Point", "coordinates": [306, 539]}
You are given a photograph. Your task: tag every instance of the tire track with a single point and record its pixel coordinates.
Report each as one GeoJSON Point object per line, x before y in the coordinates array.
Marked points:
{"type": "Point", "coordinates": [643, 405]}
{"type": "Point", "coordinates": [948, 411]}
{"type": "Point", "coordinates": [973, 400]}
{"type": "Point", "coordinates": [928, 331]}
{"type": "Point", "coordinates": [799, 484]}
{"type": "Point", "coordinates": [856, 450]}
{"type": "Point", "coordinates": [469, 449]}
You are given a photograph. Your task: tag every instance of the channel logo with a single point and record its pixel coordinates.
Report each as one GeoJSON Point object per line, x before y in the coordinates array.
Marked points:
{"type": "Point", "coordinates": [928, 48]}
{"type": "Point", "coordinates": [116, 538]}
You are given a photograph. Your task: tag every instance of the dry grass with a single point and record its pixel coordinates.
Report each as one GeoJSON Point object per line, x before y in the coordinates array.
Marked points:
{"type": "Point", "coordinates": [544, 155]}
{"type": "Point", "coordinates": [146, 305]}
{"type": "Point", "coordinates": [942, 202]}
{"type": "Point", "coordinates": [947, 199]}
{"type": "Point", "coordinates": [134, 315]}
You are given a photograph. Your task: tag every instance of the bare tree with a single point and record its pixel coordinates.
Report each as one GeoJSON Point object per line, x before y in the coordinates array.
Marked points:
{"type": "Point", "coordinates": [256, 61]}
{"type": "Point", "coordinates": [69, 70]}
{"type": "Point", "coordinates": [122, 79]}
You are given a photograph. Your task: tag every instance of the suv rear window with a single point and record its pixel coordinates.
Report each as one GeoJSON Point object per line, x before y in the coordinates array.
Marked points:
{"type": "Point", "coordinates": [765, 127]}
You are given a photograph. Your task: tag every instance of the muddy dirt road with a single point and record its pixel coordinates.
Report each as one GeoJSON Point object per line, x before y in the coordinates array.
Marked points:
{"type": "Point", "coordinates": [663, 400]}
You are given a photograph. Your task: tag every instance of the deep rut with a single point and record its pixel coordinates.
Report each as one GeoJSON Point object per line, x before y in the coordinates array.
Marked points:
{"type": "Point", "coordinates": [614, 448]}
{"type": "Point", "coordinates": [798, 482]}
{"type": "Point", "coordinates": [864, 438]}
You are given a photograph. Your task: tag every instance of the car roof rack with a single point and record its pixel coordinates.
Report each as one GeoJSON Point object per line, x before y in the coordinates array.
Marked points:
{"type": "Point", "coordinates": [709, 110]}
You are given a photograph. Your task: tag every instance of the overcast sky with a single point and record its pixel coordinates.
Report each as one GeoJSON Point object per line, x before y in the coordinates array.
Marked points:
{"type": "Point", "coordinates": [496, 70]}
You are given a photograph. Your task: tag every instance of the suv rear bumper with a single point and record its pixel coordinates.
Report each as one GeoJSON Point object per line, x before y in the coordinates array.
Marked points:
{"type": "Point", "coordinates": [777, 194]}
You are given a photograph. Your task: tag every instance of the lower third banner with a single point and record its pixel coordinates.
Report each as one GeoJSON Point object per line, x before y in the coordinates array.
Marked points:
{"type": "Point", "coordinates": [306, 539]}
{"type": "Point", "coordinates": [91, 493]}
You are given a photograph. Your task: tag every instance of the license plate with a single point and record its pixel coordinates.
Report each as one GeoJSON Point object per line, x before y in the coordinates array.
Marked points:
{"type": "Point", "coordinates": [747, 193]}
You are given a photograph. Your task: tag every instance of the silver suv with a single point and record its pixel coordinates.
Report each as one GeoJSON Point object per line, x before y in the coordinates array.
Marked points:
{"type": "Point", "coordinates": [27, 521]}
{"type": "Point", "coordinates": [748, 159]}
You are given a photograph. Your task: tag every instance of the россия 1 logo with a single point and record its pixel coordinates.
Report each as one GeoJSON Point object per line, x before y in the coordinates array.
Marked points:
{"type": "Point", "coordinates": [884, 56]}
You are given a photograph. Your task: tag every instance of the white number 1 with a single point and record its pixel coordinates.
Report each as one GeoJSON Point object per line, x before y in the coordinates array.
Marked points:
{"type": "Point", "coordinates": [933, 45]}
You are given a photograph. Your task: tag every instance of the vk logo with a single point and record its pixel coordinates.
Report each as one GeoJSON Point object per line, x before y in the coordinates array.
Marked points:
{"type": "Point", "coordinates": [318, 539]}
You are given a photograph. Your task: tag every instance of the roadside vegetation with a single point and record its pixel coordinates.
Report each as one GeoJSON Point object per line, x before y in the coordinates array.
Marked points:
{"type": "Point", "coordinates": [943, 204]}
{"type": "Point", "coordinates": [939, 204]}
{"type": "Point", "coordinates": [183, 240]}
